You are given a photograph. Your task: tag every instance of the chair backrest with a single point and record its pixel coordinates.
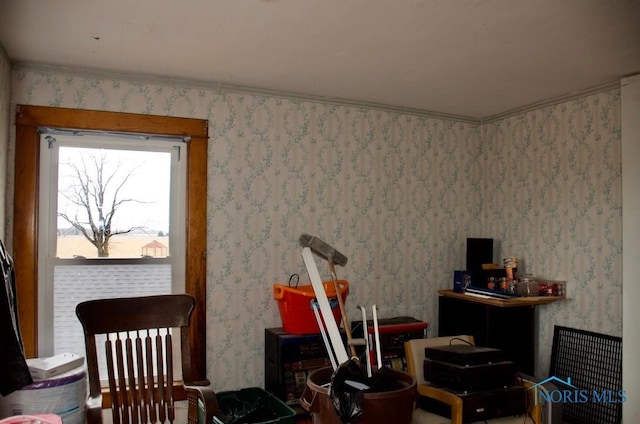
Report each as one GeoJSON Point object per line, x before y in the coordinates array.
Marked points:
{"type": "Point", "coordinates": [139, 334]}
{"type": "Point", "coordinates": [588, 361]}
{"type": "Point", "coordinates": [414, 350]}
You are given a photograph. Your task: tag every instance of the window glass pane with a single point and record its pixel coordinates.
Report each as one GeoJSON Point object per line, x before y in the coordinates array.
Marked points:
{"type": "Point", "coordinates": [77, 283]}
{"type": "Point", "coordinates": [113, 203]}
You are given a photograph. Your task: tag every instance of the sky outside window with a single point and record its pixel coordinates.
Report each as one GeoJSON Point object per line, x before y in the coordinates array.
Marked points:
{"type": "Point", "coordinates": [140, 182]}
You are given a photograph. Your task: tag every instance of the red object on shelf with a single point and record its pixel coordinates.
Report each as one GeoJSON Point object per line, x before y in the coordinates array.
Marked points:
{"type": "Point", "coordinates": [545, 289]}
{"type": "Point", "coordinates": [393, 333]}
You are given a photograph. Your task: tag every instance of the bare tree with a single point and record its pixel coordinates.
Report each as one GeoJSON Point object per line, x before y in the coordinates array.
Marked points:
{"type": "Point", "coordinates": [95, 191]}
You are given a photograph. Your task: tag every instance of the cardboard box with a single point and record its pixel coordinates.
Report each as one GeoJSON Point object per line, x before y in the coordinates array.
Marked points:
{"type": "Point", "coordinates": [42, 368]}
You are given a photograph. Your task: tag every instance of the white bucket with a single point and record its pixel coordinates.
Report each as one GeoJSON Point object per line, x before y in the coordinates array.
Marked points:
{"type": "Point", "coordinates": [64, 395]}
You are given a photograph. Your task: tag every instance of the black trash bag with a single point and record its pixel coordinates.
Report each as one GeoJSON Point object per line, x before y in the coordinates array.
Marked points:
{"type": "Point", "coordinates": [348, 383]}
{"type": "Point", "coordinates": [383, 380]}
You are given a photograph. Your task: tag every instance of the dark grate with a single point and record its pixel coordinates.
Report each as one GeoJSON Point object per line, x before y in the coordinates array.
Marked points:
{"type": "Point", "coordinates": [593, 362]}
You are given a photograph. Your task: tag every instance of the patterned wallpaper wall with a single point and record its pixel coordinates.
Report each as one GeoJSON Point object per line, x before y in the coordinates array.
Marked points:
{"type": "Point", "coordinates": [396, 193]}
{"type": "Point", "coordinates": [553, 179]}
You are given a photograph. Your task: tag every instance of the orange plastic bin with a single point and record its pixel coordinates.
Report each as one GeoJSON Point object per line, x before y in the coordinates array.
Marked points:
{"type": "Point", "coordinates": [295, 305]}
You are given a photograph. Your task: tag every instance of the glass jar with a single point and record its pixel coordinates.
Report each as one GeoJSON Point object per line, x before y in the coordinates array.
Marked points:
{"type": "Point", "coordinates": [504, 284]}
{"type": "Point", "coordinates": [491, 283]}
{"type": "Point", "coordinates": [527, 286]}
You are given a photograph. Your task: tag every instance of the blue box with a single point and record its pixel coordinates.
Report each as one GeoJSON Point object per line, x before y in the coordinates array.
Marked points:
{"type": "Point", "coordinates": [461, 280]}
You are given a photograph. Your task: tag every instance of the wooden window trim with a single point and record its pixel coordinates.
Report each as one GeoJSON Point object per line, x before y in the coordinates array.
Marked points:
{"type": "Point", "coordinates": [25, 207]}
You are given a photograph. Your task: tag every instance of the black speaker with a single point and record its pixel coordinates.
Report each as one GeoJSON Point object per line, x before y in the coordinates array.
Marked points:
{"type": "Point", "coordinates": [470, 378]}
{"type": "Point", "coordinates": [479, 251]}
{"type": "Point", "coordinates": [483, 405]}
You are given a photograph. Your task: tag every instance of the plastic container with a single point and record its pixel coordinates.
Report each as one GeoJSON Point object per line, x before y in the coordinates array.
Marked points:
{"type": "Point", "coordinates": [253, 405]}
{"type": "Point", "coordinates": [295, 307]}
{"type": "Point", "coordinates": [63, 395]}
{"type": "Point", "coordinates": [33, 418]}
{"type": "Point", "coordinates": [527, 286]}
{"type": "Point", "coordinates": [554, 288]}
{"type": "Point", "coordinates": [394, 406]}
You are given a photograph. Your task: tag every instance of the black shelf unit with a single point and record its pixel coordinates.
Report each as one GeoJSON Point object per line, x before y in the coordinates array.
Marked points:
{"type": "Point", "coordinates": [511, 329]}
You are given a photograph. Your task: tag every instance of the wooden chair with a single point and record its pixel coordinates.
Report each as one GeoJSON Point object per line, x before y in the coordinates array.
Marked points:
{"type": "Point", "coordinates": [414, 351]}
{"type": "Point", "coordinates": [140, 334]}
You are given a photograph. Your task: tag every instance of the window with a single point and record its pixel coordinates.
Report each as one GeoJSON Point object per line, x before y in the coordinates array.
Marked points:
{"type": "Point", "coordinates": [109, 218]}
{"type": "Point", "coordinates": [25, 243]}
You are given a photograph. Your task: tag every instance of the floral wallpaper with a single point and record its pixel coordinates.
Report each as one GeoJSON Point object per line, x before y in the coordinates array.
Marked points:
{"type": "Point", "coordinates": [553, 180]}
{"type": "Point", "coordinates": [397, 193]}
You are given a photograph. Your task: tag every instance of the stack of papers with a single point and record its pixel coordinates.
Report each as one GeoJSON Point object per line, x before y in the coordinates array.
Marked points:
{"type": "Point", "coordinates": [488, 293]}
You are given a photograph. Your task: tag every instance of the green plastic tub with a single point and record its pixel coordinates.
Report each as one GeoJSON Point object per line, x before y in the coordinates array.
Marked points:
{"type": "Point", "coordinates": [252, 405]}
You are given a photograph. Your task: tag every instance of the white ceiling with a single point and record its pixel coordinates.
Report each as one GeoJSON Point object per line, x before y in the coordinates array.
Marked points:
{"type": "Point", "coordinates": [469, 58]}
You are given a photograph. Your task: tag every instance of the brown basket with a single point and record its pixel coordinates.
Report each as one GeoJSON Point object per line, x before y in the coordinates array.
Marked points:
{"type": "Point", "coordinates": [394, 406]}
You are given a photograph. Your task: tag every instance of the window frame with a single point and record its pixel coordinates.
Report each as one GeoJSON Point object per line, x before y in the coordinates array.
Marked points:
{"type": "Point", "coordinates": [26, 198]}
{"type": "Point", "coordinates": [49, 194]}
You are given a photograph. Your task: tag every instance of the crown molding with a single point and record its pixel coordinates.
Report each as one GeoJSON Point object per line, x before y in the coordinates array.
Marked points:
{"type": "Point", "coordinates": [299, 97]}
{"type": "Point", "coordinates": [237, 89]}
{"type": "Point", "coordinates": [552, 101]}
